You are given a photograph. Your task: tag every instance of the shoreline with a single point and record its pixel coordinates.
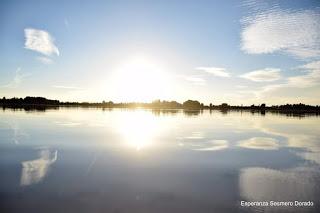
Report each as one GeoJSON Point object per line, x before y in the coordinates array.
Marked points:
{"type": "Point", "coordinates": [30, 107]}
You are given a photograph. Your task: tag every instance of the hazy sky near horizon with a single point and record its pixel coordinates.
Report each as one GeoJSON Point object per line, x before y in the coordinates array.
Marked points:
{"type": "Point", "coordinates": [240, 52]}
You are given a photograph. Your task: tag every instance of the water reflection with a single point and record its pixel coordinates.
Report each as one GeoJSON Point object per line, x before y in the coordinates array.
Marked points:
{"type": "Point", "coordinates": [213, 145]}
{"type": "Point", "coordinates": [299, 183]}
{"type": "Point", "coordinates": [302, 134]}
{"type": "Point", "coordinates": [67, 124]}
{"type": "Point", "coordinates": [154, 161]}
{"type": "Point", "coordinates": [196, 135]}
{"type": "Point", "coordinates": [260, 143]}
{"type": "Point", "coordinates": [138, 129]}
{"type": "Point", "coordinates": [169, 112]}
{"type": "Point", "coordinates": [33, 171]}
{"type": "Point", "coordinates": [192, 112]}
{"type": "Point", "coordinates": [310, 156]}
{"type": "Point", "coordinates": [18, 133]}
{"type": "Point", "coordinates": [264, 184]}
{"type": "Point", "coordinates": [13, 128]}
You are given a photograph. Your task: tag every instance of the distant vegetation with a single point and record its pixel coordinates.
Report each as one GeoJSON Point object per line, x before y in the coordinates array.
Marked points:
{"type": "Point", "coordinates": [40, 102]}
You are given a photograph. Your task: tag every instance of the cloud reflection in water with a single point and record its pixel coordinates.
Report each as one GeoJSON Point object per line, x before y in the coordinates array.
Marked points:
{"type": "Point", "coordinates": [213, 145]}
{"type": "Point", "coordinates": [260, 143]}
{"type": "Point", "coordinates": [33, 171]}
{"type": "Point", "coordinates": [263, 184]}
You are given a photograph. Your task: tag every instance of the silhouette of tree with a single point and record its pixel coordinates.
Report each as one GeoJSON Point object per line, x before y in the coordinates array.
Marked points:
{"type": "Point", "coordinates": [190, 104]}
{"type": "Point", "coordinates": [224, 106]}
{"type": "Point", "coordinates": [41, 102]}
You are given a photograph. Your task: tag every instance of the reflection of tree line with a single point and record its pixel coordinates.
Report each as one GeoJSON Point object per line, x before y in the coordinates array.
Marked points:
{"type": "Point", "coordinates": [188, 112]}
{"type": "Point", "coordinates": [190, 107]}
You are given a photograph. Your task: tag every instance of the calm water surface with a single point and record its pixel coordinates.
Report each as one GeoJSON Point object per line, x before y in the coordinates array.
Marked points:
{"type": "Point", "coordinates": [94, 160]}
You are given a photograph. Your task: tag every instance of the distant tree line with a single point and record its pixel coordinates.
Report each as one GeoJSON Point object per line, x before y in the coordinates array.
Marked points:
{"type": "Point", "coordinates": [27, 101]}
{"type": "Point", "coordinates": [157, 104]}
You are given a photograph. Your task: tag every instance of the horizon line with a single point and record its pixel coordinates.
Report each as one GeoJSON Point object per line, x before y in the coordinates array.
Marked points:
{"type": "Point", "coordinates": [157, 100]}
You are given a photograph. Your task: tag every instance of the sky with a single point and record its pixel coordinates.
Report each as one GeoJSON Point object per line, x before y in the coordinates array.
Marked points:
{"type": "Point", "coordinates": [238, 52]}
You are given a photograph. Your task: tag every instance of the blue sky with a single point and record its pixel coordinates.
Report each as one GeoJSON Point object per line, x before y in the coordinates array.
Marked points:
{"type": "Point", "coordinates": [240, 52]}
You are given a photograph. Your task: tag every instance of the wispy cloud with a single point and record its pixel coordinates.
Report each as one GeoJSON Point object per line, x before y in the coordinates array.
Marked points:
{"type": "Point", "coordinates": [66, 87]}
{"type": "Point", "coordinates": [263, 75]}
{"type": "Point", "coordinates": [241, 86]}
{"type": "Point", "coordinates": [45, 60]}
{"type": "Point", "coordinates": [196, 80]}
{"type": "Point", "coordinates": [287, 31]}
{"type": "Point", "coordinates": [66, 23]}
{"type": "Point", "coordinates": [17, 80]}
{"type": "Point", "coordinates": [216, 71]}
{"type": "Point", "coordinates": [311, 78]}
{"type": "Point", "coordinates": [312, 66]}
{"type": "Point", "coordinates": [40, 41]}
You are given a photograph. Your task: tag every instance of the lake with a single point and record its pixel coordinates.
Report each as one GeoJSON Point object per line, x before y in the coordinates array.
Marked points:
{"type": "Point", "coordinates": [137, 160]}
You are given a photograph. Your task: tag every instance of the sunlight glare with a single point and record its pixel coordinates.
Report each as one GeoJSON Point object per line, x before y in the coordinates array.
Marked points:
{"type": "Point", "coordinates": [141, 79]}
{"type": "Point", "coordinates": [138, 128]}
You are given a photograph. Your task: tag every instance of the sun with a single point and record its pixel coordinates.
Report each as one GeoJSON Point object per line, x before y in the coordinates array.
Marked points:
{"type": "Point", "coordinates": [141, 79]}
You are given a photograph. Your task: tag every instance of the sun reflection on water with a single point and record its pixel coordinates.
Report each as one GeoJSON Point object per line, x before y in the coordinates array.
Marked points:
{"type": "Point", "coordinates": [138, 129]}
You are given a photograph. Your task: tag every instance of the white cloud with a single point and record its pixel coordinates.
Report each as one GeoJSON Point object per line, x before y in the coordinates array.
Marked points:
{"type": "Point", "coordinates": [216, 71]}
{"type": "Point", "coordinates": [314, 65]}
{"type": "Point", "coordinates": [274, 30]}
{"type": "Point", "coordinates": [263, 75]}
{"type": "Point", "coordinates": [40, 41]}
{"type": "Point", "coordinates": [302, 88]}
{"type": "Point", "coordinates": [45, 60]}
{"type": "Point", "coordinates": [17, 80]}
{"type": "Point", "coordinates": [311, 78]}
{"type": "Point", "coordinates": [196, 80]}
{"type": "Point", "coordinates": [304, 81]}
